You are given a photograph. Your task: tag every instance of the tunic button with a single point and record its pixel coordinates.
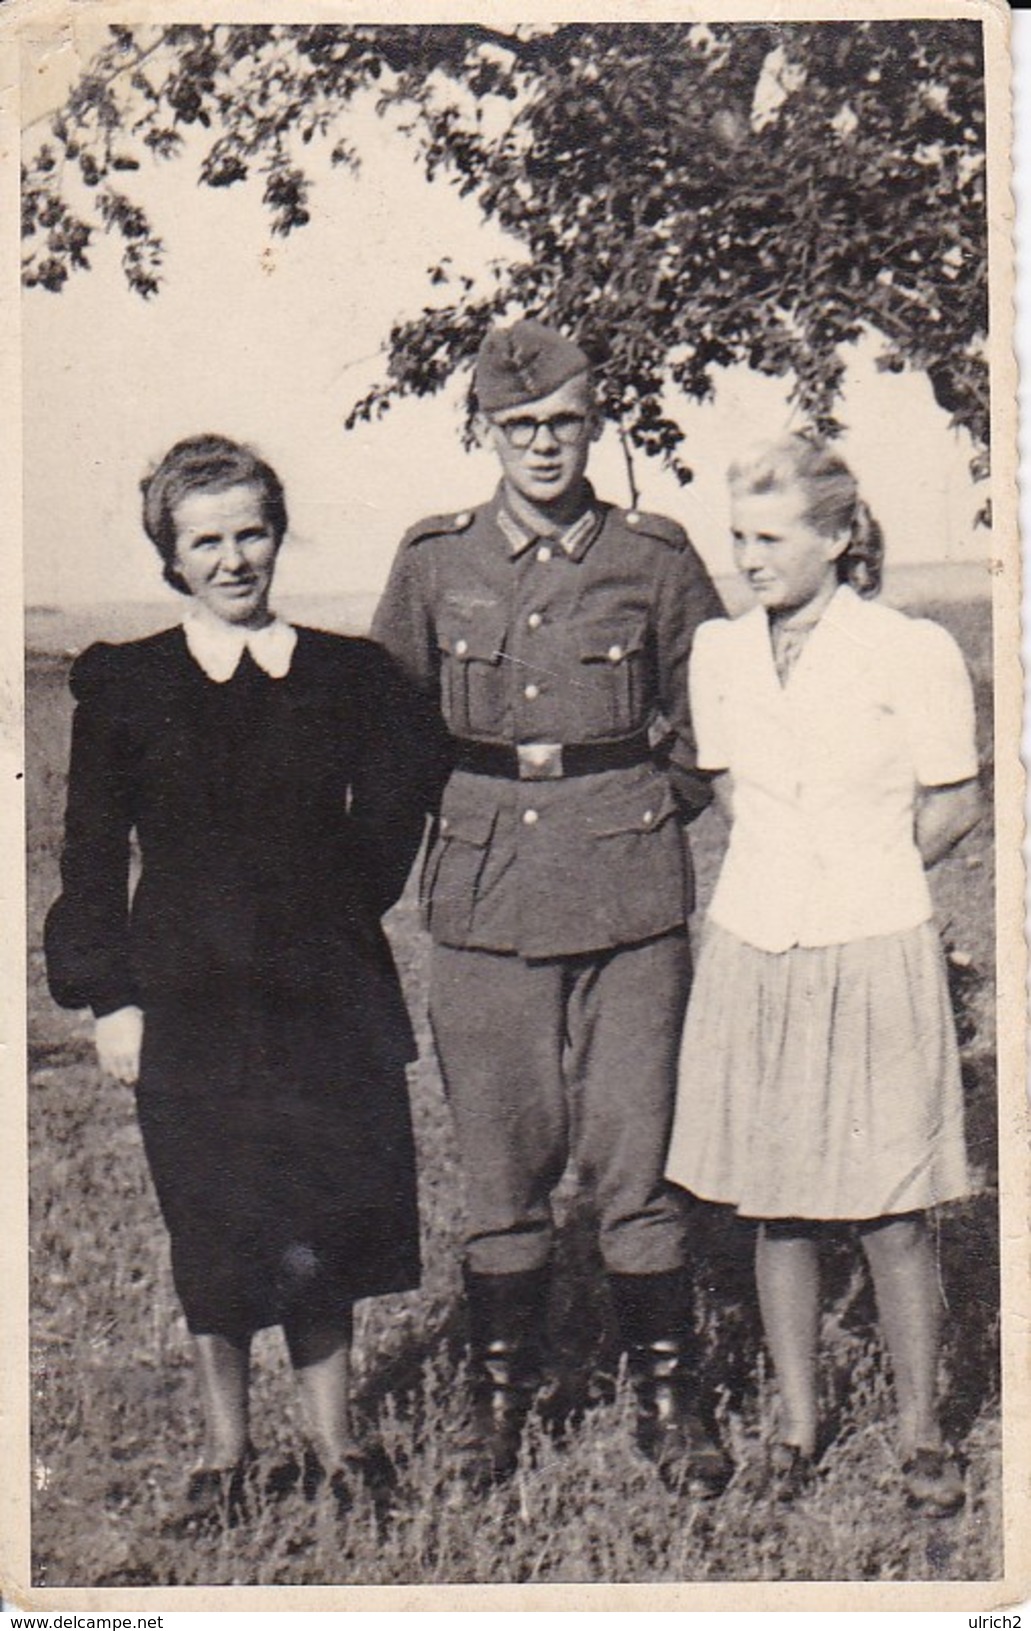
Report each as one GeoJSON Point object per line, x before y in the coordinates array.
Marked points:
{"type": "Point", "coordinates": [648, 817]}
{"type": "Point", "coordinates": [463, 518]}
{"type": "Point", "coordinates": [530, 818]}
{"type": "Point", "coordinates": [632, 518]}
{"type": "Point", "coordinates": [443, 823]}
{"type": "Point", "coordinates": [461, 647]}
{"type": "Point", "coordinates": [535, 620]}
{"type": "Point", "coordinates": [531, 692]}
{"type": "Point", "coordinates": [615, 654]}
{"type": "Point", "coordinates": [544, 553]}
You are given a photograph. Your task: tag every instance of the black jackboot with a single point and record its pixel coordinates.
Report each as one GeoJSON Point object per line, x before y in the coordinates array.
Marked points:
{"type": "Point", "coordinates": [654, 1315]}
{"type": "Point", "coordinates": [507, 1324]}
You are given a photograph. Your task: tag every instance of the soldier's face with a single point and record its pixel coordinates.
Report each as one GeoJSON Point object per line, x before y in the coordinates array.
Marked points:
{"type": "Point", "coordinates": [543, 446]}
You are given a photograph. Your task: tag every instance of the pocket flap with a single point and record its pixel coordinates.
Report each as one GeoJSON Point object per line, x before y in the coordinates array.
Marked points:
{"type": "Point", "coordinates": [612, 640]}
{"type": "Point", "coordinates": [466, 820]}
{"type": "Point", "coordinates": [633, 810]}
{"type": "Point", "coordinates": [472, 634]}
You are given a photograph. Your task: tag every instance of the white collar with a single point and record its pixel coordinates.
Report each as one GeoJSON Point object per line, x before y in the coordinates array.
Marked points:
{"type": "Point", "coordinates": [217, 646]}
{"type": "Point", "coordinates": [839, 612]}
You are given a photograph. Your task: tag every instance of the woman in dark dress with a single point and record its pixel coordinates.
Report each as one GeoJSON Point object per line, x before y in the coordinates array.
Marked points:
{"type": "Point", "coordinates": [276, 780]}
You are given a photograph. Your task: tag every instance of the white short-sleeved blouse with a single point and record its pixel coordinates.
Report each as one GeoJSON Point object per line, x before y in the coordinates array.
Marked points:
{"type": "Point", "coordinates": [825, 768]}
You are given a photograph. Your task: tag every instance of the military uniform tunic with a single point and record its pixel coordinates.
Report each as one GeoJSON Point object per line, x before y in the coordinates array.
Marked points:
{"type": "Point", "coordinates": [540, 891]}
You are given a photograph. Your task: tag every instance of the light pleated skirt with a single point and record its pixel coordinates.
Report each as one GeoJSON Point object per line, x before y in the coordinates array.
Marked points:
{"type": "Point", "coordinates": [820, 1082]}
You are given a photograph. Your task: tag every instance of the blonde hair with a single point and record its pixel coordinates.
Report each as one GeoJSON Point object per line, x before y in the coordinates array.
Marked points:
{"type": "Point", "coordinates": [833, 504]}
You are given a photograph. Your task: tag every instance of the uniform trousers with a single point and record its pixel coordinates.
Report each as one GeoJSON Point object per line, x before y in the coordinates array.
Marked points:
{"type": "Point", "coordinates": [556, 1059]}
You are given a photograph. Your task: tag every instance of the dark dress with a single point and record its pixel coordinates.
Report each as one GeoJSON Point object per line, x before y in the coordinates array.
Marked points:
{"type": "Point", "coordinates": [276, 821]}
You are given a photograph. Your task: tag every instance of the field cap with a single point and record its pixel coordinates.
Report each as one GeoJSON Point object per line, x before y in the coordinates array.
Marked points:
{"type": "Point", "coordinates": [523, 363]}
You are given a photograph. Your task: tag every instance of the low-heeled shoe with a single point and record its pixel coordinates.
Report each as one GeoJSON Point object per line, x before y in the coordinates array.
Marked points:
{"type": "Point", "coordinates": [933, 1481]}
{"type": "Point", "coordinates": [790, 1472]}
{"type": "Point", "coordinates": [216, 1498]}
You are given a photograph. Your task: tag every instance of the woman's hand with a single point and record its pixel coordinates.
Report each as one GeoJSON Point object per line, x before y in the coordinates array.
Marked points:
{"type": "Point", "coordinates": [723, 792]}
{"type": "Point", "coordinates": [118, 1037]}
{"type": "Point", "coordinates": [944, 815]}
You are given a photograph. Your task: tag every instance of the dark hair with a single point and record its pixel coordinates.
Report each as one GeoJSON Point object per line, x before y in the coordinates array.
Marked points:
{"type": "Point", "coordinates": [833, 504]}
{"type": "Point", "coordinates": [204, 464]}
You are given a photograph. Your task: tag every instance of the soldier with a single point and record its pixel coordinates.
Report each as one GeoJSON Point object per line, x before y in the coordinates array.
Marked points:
{"type": "Point", "coordinates": [555, 630]}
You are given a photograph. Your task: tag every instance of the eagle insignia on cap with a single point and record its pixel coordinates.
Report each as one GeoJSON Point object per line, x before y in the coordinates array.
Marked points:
{"type": "Point", "coordinates": [523, 363]}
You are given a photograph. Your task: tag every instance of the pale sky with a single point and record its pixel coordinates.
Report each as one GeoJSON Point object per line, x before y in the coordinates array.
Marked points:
{"type": "Point", "coordinates": [272, 341]}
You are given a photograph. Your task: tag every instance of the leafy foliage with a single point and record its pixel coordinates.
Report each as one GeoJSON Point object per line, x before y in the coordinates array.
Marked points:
{"type": "Point", "coordinates": [683, 197]}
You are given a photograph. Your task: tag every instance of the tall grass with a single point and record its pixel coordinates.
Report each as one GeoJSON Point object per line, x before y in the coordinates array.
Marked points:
{"type": "Point", "coordinates": [114, 1414]}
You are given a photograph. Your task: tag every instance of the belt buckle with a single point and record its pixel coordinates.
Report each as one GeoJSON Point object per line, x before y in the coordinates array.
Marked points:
{"type": "Point", "coordinates": [539, 761]}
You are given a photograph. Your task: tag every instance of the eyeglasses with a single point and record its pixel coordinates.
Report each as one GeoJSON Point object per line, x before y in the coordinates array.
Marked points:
{"type": "Point", "coordinates": [521, 431]}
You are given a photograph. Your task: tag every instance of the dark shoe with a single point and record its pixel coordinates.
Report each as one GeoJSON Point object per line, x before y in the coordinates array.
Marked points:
{"type": "Point", "coordinates": [790, 1472]}
{"type": "Point", "coordinates": [282, 1480]}
{"type": "Point", "coordinates": [216, 1498]}
{"type": "Point", "coordinates": [933, 1482]}
{"type": "Point", "coordinates": [669, 1430]}
{"type": "Point", "coordinates": [503, 1391]}
{"type": "Point", "coordinates": [367, 1469]}
{"type": "Point", "coordinates": [653, 1311]}
{"type": "Point", "coordinates": [345, 1483]}
{"type": "Point", "coordinates": [313, 1474]}
{"type": "Point", "coordinates": [507, 1316]}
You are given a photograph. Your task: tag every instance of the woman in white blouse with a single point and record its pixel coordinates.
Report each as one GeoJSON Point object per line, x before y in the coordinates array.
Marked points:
{"type": "Point", "coordinates": [819, 1075]}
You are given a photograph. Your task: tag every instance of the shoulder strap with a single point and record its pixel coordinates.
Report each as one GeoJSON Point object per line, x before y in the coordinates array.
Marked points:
{"type": "Point", "coordinates": [438, 526]}
{"type": "Point", "coordinates": [655, 526]}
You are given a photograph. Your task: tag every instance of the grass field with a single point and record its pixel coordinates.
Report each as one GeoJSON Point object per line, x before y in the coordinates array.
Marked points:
{"type": "Point", "coordinates": [114, 1423]}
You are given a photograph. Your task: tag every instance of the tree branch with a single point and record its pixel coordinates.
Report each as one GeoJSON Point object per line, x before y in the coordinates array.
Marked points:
{"type": "Point", "coordinates": [624, 442]}
{"type": "Point", "coordinates": [525, 49]}
{"type": "Point", "coordinates": [105, 80]}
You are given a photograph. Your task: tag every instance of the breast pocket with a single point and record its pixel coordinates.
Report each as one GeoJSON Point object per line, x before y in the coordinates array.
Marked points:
{"type": "Point", "coordinates": [473, 673]}
{"type": "Point", "coordinates": [613, 690]}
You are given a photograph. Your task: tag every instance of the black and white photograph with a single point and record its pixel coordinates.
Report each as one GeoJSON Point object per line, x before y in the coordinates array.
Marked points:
{"type": "Point", "coordinates": [516, 1056]}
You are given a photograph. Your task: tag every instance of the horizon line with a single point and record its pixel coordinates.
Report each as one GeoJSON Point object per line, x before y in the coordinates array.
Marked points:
{"type": "Point", "coordinates": [891, 569]}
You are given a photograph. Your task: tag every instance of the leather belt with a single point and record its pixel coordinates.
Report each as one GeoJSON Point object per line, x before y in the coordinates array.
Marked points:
{"type": "Point", "coordinates": [550, 761]}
